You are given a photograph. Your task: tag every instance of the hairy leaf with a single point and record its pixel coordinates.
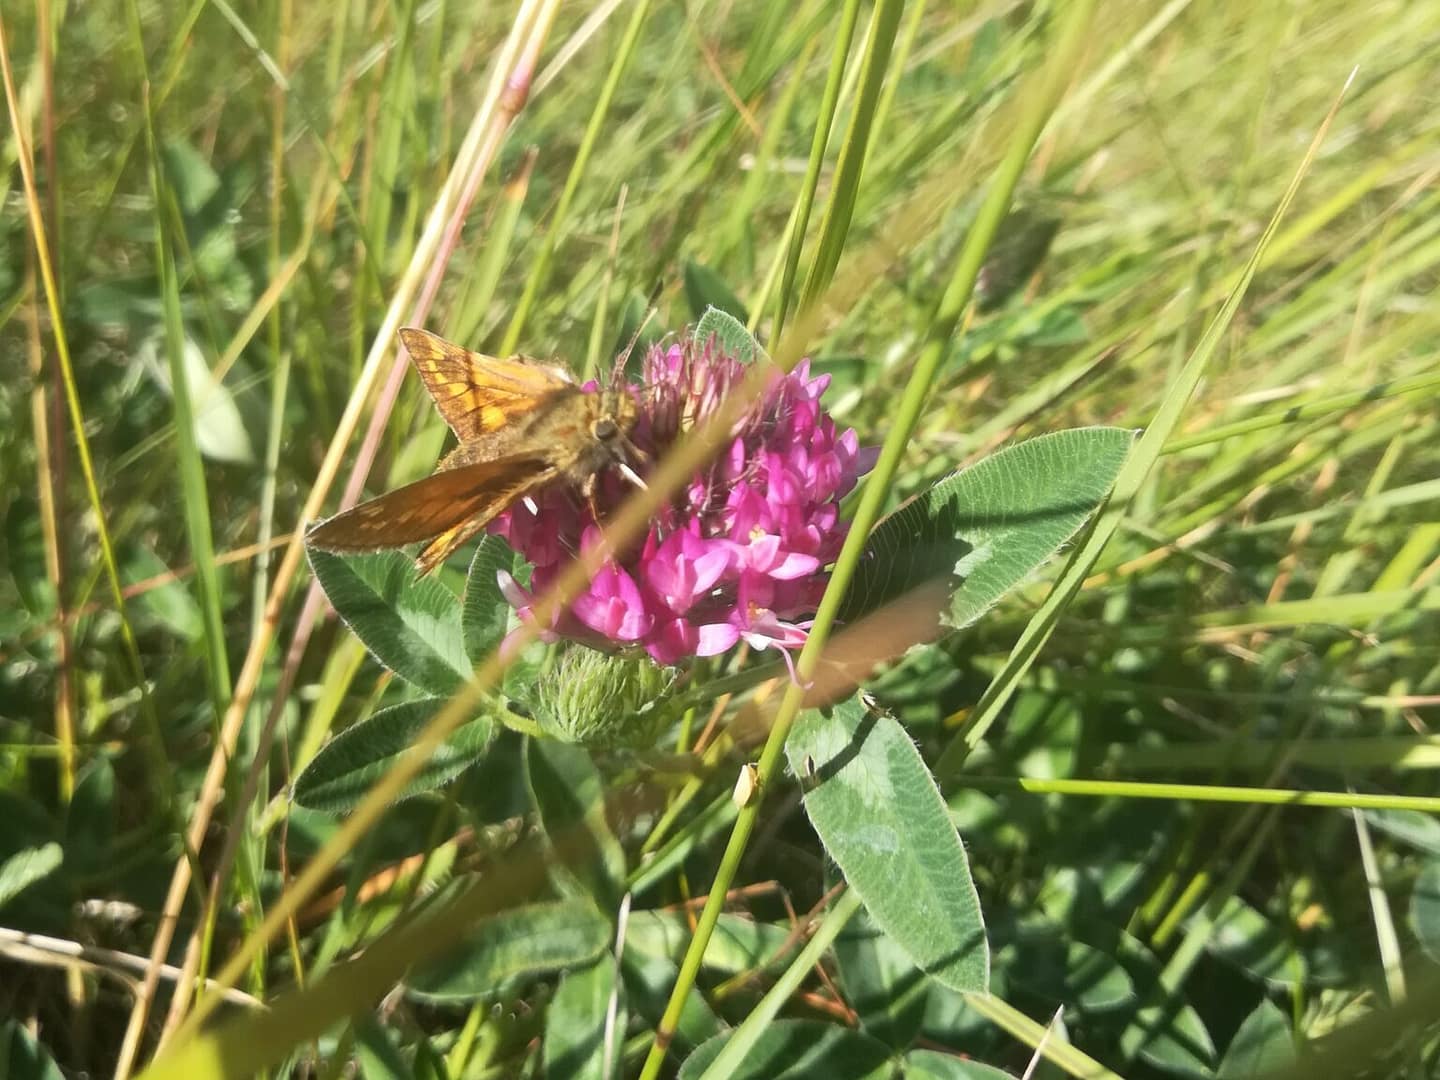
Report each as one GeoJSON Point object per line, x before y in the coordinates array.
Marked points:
{"type": "Point", "coordinates": [729, 333]}
{"type": "Point", "coordinates": [511, 947]}
{"type": "Point", "coordinates": [1261, 1045]}
{"type": "Point", "coordinates": [350, 764]}
{"type": "Point", "coordinates": [412, 625]}
{"type": "Point", "coordinates": [989, 527]}
{"type": "Point", "coordinates": [1425, 909]}
{"type": "Point", "coordinates": [882, 819]}
{"type": "Point", "coordinates": [933, 1065]}
{"type": "Point", "coordinates": [798, 1050]}
{"type": "Point", "coordinates": [738, 944]}
{"type": "Point", "coordinates": [577, 1023]}
{"type": "Point", "coordinates": [569, 795]}
{"type": "Point", "coordinates": [22, 1058]}
{"type": "Point", "coordinates": [25, 868]}
{"type": "Point", "coordinates": [486, 613]}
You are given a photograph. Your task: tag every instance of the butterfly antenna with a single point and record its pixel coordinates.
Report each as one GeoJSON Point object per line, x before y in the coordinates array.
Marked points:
{"type": "Point", "coordinates": [622, 359]}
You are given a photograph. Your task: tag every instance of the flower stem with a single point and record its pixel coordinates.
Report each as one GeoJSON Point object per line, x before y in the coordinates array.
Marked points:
{"type": "Point", "coordinates": [1037, 105]}
{"type": "Point", "coordinates": [522, 724]}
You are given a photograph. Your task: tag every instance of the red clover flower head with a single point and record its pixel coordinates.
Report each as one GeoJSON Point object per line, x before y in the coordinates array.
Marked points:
{"type": "Point", "coordinates": [739, 554]}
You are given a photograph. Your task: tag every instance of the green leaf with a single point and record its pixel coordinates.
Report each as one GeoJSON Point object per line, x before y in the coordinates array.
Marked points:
{"type": "Point", "coordinates": [375, 1051]}
{"type": "Point", "coordinates": [1047, 961]}
{"type": "Point", "coordinates": [350, 764]}
{"type": "Point", "coordinates": [508, 949]}
{"type": "Point", "coordinates": [1020, 246]}
{"type": "Point", "coordinates": [428, 1064]}
{"type": "Point", "coordinates": [882, 819]}
{"type": "Point", "coordinates": [1248, 939]}
{"type": "Point", "coordinates": [932, 1065]}
{"type": "Point", "coordinates": [1176, 1040]}
{"type": "Point", "coordinates": [25, 561]}
{"type": "Point", "coordinates": [1419, 831]}
{"type": "Point", "coordinates": [220, 430]}
{"type": "Point", "coordinates": [170, 604]}
{"type": "Point", "coordinates": [1167, 1033]}
{"type": "Point", "coordinates": [569, 795]}
{"type": "Point", "coordinates": [410, 624]}
{"type": "Point", "coordinates": [27, 823]}
{"type": "Point", "coordinates": [648, 980]}
{"type": "Point", "coordinates": [25, 868]}
{"type": "Point", "coordinates": [494, 790]}
{"type": "Point", "coordinates": [729, 333]}
{"type": "Point", "coordinates": [1094, 980]}
{"type": "Point", "coordinates": [90, 820]}
{"type": "Point", "coordinates": [1425, 909]}
{"type": "Point", "coordinates": [22, 1058]}
{"type": "Point", "coordinates": [881, 983]}
{"type": "Point", "coordinates": [1060, 328]}
{"type": "Point", "coordinates": [799, 1050]}
{"type": "Point", "coordinates": [705, 290]}
{"type": "Point", "coordinates": [738, 944]}
{"type": "Point", "coordinates": [988, 527]}
{"type": "Point", "coordinates": [190, 176]}
{"type": "Point", "coordinates": [952, 1021]}
{"type": "Point", "coordinates": [486, 613]}
{"type": "Point", "coordinates": [577, 1021]}
{"type": "Point", "coordinates": [523, 672]}
{"type": "Point", "coordinates": [1262, 1044]}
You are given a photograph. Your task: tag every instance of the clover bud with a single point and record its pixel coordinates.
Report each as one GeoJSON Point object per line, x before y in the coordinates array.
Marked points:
{"type": "Point", "coordinates": [604, 700]}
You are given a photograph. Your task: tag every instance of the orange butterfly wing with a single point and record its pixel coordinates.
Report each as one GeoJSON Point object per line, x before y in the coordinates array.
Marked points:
{"type": "Point", "coordinates": [441, 505]}
{"type": "Point", "coordinates": [477, 394]}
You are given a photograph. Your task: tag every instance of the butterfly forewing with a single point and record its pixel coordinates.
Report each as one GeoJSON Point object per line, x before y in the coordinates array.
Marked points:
{"type": "Point", "coordinates": [470, 495]}
{"type": "Point", "coordinates": [520, 426]}
{"type": "Point", "coordinates": [479, 395]}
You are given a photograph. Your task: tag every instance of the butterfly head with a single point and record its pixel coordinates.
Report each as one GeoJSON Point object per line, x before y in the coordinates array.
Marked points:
{"type": "Point", "coordinates": [614, 417]}
{"type": "Point", "coordinates": [615, 412]}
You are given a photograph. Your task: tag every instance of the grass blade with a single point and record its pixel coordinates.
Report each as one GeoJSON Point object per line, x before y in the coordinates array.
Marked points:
{"type": "Point", "coordinates": [1142, 459]}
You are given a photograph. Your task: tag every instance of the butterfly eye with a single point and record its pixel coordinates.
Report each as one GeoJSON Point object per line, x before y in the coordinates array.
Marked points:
{"type": "Point", "coordinates": [604, 429]}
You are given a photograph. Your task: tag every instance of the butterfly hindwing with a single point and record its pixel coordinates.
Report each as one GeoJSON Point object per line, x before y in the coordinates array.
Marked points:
{"type": "Point", "coordinates": [479, 395]}
{"type": "Point", "coordinates": [466, 497]}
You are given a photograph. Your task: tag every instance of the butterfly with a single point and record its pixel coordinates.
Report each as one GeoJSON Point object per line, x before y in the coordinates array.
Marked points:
{"type": "Point", "coordinates": [520, 425]}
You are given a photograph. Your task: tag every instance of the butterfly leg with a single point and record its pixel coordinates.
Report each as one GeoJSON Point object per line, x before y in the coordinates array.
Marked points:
{"type": "Point", "coordinates": [587, 489]}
